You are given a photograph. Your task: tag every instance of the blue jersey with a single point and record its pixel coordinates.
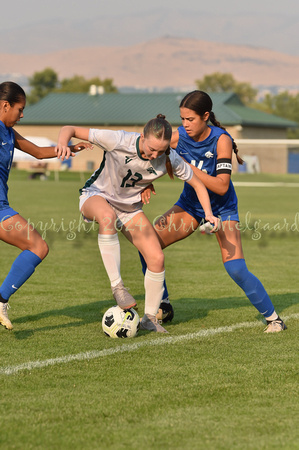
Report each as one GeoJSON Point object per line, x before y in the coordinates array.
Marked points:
{"type": "Point", "coordinates": [203, 155]}
{"type": "Point", "coordinates": [7, 144]}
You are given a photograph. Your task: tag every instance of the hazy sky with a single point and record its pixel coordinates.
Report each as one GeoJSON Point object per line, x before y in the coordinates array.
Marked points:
{"type": "Point", "coordinates": [266, 23]}
{"type": "Point", "coordinates": [32, 11]}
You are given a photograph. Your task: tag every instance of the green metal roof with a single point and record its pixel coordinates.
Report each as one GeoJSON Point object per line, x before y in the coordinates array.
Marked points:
{"type": "Point", "coordinates": [137, 109]}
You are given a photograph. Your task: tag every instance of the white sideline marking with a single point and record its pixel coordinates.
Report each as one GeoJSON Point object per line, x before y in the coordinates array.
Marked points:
{"type": "Point", "coordinates": [264, 184]}
{"type": "Point", "coordinates": [30, 365]}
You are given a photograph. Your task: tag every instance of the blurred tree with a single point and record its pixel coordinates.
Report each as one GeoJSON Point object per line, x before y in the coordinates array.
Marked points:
{"type": "Point", "coordinates": [225, 82]}
{"type": "Point", "coordinates": [79, 84]}
{"type": "Point", "coordinates": [41, 84]}
{"type": "Point", "coordinates": [284, 105]}
{"type": "Point", "coordinates": [46, 81]}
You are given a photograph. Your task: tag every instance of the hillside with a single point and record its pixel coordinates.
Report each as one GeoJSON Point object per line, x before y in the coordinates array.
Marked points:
{"type": "Point", "coordinates": [164, 62]}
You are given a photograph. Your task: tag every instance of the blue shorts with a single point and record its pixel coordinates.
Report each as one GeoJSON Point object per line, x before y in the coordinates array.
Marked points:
{"type": "Point", "coordinates": [226, 215]}
{"type": "Point", "coordinates": [7, 213]}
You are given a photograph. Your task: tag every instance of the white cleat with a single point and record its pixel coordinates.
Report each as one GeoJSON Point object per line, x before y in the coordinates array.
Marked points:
{"type": "Point", "coordinates": [275, 326]}
{"type": "Point", "coordinates": [151, 323]}
{"type": "Point", "coordinates": [4, 320]}
{"type": "Point", "coordinates": [122, 297]}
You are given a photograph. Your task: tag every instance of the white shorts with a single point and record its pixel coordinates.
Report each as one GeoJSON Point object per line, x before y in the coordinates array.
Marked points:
{"type": "Point", "coordinates": [123, 217]}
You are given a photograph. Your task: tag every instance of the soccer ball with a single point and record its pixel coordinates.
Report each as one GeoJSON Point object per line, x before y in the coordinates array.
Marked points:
{"type": "Point", "coordinates": [120, 323]}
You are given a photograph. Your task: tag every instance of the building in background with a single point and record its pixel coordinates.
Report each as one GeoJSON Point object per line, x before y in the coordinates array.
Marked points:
{"type": "Point", "coordinates": [261, 137]}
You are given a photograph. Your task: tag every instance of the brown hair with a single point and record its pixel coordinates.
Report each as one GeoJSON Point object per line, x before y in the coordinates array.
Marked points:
{"type": "Point", "coordinates": [200, 102]}
{"type": "Point", "coordinates": [11, 92]}
{"type": "Point", "coordinates": [161, 129]}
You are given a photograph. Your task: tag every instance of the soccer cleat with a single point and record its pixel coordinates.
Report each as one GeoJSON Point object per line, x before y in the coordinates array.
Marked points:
{"type": "Point", "coordinates": [165, 313]}
{"type": "Point", "coordinates": [275, 326]}
{"type": "Point", "coordinates": [122, 296]}
{"type": "Point", "coordinates": [150, 322]}
{"type": "Point", "coordinates": [4, 320]}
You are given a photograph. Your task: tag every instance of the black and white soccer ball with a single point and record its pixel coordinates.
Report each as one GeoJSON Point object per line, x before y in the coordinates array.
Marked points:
{"type": "Point", "coordinates": [121, 323]}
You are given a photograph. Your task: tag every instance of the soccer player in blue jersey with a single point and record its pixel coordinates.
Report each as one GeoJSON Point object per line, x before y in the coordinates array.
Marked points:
{"type": "Point", "coordinates": [14, 229]}
{"type": "Point", "coordinates": [208, 148]}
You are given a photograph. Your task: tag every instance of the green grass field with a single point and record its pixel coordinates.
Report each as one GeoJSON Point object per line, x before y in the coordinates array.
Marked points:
{"type": "Point", "coordinates": [216, 381]}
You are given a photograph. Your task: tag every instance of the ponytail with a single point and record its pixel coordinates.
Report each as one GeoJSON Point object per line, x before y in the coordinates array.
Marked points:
{"type": "Point", "coordinates": [168, 164]}
{"type": "Point", "coordinates": [217, 124]}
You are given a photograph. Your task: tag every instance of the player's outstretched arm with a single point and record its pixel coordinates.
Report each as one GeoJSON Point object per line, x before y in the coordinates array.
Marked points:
{"type": "Point", "coordinates": [204, 199]}
{"type": "Point", "coordinates": [65, 135]}
{"type": "Point", "coordinates": [46, 152]}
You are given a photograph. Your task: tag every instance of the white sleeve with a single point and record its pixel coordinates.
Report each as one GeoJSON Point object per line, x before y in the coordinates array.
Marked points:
{"type": "Point", "coordinates": [106, 139]}
{"type": "Point", "coordinates": [181, 169]}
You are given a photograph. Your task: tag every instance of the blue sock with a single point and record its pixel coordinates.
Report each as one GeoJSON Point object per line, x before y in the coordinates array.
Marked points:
{"type": "Point", "coordinates": [21, 269]}
{"type": "Point", "coordinates": [144, 267]}
{"type": "Point", "coordinates": [251, 285]}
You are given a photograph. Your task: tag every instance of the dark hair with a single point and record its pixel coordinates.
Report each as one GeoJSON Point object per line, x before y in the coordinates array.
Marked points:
{"type": "Point", "coordinates": [11, 92]}
{"type": "Point", "coordinates": [161, 129]}
{"type": "Point", "coordinates": [200, 102]}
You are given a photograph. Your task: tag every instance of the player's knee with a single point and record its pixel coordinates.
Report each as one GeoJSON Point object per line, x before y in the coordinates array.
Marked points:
{"type": "Point", "coordinates": [106, 220]}
{"type": "Point", "coordinates": [41, 249]}
{"type": "Point", "coordinates": [159, 260]}
{"type": "Point", "coordinates": [44, 250]}
{"type": "Point", "coordinates": [156, 263]}
{"type": "Point", "coordinates": [236, 269]}
{"type": "Point", "coordinates": [161, 257]}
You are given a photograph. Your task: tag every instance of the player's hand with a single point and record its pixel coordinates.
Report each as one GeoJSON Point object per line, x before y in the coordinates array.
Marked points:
{"type": "Point", "coordinates": [64, 151]}
{"type": "Point", "coordinates": [146, 194]}
{"type": "Point", "coordinates": [212, 225]}
{"type": "Point", "coordinates": [81, 146]}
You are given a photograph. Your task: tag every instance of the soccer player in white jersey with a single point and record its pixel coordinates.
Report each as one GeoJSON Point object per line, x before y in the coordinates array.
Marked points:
{"type": "Point", "coordinates": [112, 197]}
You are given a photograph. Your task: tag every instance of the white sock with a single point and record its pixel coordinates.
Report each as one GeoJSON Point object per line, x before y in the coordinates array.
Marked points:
{"type": "Point", "coordinates": [110, 252]}
{"type": "Point", "coordinates": [154, 288]}
{"type": "Point", "coordinates": [273, 316]}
